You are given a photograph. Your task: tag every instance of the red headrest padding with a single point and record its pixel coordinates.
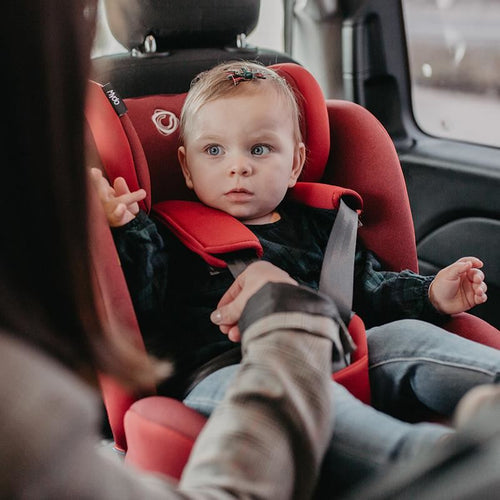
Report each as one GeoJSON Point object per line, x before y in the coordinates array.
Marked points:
{"type": "Point", "coordinates": [156, 121]}
{"type": "Point", "coordinates": [364, 159]}
{"type": "Point", "coordinates": [211, 233]}
{"type": "Point", "coordinates": [206, 231]}
{"type": "Point", "coordinates": [320, 195]}
{"type": "Point", "coordinates": [119, 148]}
{"type": "Point", "coordinates": [315, 125]}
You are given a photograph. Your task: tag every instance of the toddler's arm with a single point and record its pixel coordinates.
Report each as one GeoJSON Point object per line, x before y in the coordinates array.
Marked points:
{"type": "Point", "coordinates": [458, 287]}
{"type": "Point", "coordinates": [119, 203]}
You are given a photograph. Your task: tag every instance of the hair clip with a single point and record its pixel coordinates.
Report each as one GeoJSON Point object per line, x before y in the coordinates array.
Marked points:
{"type": "Point", "coordinates": [244, 74]}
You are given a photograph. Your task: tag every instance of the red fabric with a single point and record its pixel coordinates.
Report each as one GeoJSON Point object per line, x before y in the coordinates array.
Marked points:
{"type": "Point", "coordinates": [115, 309]}
{"type": "Point", "coordinates": [315, 126]}
{"type": "Point", "coordinates": [207, 231]}
{"type": "Point", "coordinates": [358, 154]}
{"type": "Point", "coordinates": [111, 138]}
{"type": "Point", "coordinates": [161, 432]}
{"type": "Point", "coordinates": [354, 377]}
{"type": "Point", "coordinates": [141, 172]}
{"type": "Point", "coordinates": [363, 158]}
{"type": "Point", "coordinates": [474, 328]}
{"type": "Point", "coordinates": [320, 195]}
{"type": "Point", "coordinates": [211, 233]}
{"type": "Point", "coordinates": [167, 181]}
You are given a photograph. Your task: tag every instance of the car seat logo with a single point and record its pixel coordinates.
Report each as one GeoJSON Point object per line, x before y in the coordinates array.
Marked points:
{"type": "Point", "coordinates": [165, 121]}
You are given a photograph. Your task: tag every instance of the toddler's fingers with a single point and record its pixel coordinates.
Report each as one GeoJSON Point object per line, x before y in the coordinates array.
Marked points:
{"type": "Point", "coordinates": [474, 261]}
{"type": "Point", "coordinates": [480, 295]}
{"type": "Point", "coordinates": [121, 186]}
{"type": "Point", "coordinates": [475, 275]}
{"type": "Point", "coordinates": [95, 174]}
{"type": "Point", "coordinates": [117, 214]}
{"type": "Point", "coordinates": [457, 269]}
{"type": "Point", "coordinates": [131, 198]}
{"type": "Point", "coordinates": [104, 190]}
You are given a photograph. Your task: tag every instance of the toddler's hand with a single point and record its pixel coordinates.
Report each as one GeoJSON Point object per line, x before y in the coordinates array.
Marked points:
{"type": "Point", "coordinates": [459, 286]}
{"type": "Point", "coordinates": [232, 303]}
{"type": "Point", "coordinates": [119, 203]}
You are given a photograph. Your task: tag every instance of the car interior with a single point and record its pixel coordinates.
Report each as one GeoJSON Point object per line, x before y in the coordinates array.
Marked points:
{"type": "Point", "coordinates": [363, 144]}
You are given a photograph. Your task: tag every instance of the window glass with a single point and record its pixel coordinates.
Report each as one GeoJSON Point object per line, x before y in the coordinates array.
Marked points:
{"type": "Point", "coordinates": [454, 55]}
{"type": "Point", "coordinates": [269, 31]}
{"type": "Point", "coordinates": [104, 42]}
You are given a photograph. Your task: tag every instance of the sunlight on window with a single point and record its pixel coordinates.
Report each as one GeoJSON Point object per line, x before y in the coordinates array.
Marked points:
{"type": "Point", "coordinates": [104, 42]}
{"type": "Point", "coordinates": [269, 31]}
{"type": "Point", "coordinates": [454, 60]}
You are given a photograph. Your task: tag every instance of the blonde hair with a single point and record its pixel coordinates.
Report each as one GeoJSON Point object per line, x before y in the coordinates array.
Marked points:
{"type": "Point", "coordinates": [218, 82]}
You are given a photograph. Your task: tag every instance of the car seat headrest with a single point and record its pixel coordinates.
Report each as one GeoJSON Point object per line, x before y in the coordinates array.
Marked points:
{"type": "Point", "coordinates": [315, 123]}
{"type": "Point", "coordinates": [199, 23]}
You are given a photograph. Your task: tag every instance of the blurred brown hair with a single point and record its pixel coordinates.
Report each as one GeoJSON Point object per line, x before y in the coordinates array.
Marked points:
{"type": "Point", "coordinates": [46, 294]}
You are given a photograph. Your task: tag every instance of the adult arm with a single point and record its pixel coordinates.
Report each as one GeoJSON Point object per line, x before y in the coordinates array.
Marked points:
{"type": "Point", "coordinates": [265, 441]}
{"type": "Point", "coordinates": [267, 438]}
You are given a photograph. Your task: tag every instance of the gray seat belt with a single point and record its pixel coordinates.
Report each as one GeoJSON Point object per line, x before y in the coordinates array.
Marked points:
{"type": "Point", "coordinates": [337, 274]}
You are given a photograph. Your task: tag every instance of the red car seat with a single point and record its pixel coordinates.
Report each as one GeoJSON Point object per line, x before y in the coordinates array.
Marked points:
{"type": "Point", "coordinates": [347, 146]}
{"type": "Point", "coordinates": [121, 152]}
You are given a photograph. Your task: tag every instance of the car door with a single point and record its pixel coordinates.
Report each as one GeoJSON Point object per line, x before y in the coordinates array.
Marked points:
{"type": "Point", "coordinates": [430, 71]}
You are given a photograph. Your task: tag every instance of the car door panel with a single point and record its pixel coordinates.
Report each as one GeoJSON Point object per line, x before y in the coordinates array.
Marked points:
{"type": "Point", "coordinates": [453, 186]}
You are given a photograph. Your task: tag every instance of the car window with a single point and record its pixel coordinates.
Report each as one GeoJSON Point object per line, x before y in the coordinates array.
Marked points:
{"type": "Point", "coordinates": [269, 31]}
{"type": "Point", "coordinates": [454, 55]}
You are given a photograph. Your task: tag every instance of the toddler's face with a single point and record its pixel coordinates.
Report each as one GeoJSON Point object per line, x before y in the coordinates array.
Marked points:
{"type": "Point", "coordinates": [240, 154]}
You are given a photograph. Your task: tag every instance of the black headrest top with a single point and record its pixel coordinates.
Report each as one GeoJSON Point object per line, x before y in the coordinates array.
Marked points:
{"type": "Point", "coordinates": [181, 23]}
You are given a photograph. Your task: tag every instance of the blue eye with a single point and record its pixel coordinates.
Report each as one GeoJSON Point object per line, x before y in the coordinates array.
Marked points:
{"type": "Point", "coordinates": [214, 150]}
{"type": "Point", "coordinates": [260, 149]}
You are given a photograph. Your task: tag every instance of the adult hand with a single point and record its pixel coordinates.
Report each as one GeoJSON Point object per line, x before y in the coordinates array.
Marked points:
{"type": "Point", "coordinates": [232, 303]}
{"type": "Point", "coordinates": [459, 286]}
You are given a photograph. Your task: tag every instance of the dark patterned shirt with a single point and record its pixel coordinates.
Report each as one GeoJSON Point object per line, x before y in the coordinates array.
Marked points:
{"type": "Point", "coordinates": [175, 320]}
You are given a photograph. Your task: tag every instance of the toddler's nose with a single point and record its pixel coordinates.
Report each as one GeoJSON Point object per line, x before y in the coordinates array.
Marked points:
{"type": "Point", "coordinates": [241, 167]}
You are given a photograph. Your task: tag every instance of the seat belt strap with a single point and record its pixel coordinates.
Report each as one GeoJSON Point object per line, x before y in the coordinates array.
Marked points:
{"type": "Point", "coordinates": [237, 266]}
{"type": "Point", "coordinates": [337, 274]}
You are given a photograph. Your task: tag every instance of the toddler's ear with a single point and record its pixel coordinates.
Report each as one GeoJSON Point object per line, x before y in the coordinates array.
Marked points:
{"type": "Point", "coordinates": [181, 155]}
{"type": "Point", "coordinates": [299, 159]}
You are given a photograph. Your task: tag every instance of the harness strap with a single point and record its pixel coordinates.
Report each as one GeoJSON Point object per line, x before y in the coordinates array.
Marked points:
{"type": "Point", "coordinates": [237, 266]}
{"type": "Point", "coordinates": [337, 274]}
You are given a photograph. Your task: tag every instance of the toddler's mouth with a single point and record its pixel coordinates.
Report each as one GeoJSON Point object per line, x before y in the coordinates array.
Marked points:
{"type": "Point", "coordinates": [239, 195]}
{"type": "Point", "coordinates": [239, 190]}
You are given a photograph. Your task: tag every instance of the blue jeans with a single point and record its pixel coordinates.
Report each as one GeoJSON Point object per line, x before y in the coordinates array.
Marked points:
{"type": "Point", "coordinates": [412, 364]}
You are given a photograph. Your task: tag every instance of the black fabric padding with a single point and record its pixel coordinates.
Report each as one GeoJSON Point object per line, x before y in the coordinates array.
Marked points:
{"type": "Point", "coordinates": [181, 23]}
{"type": "Point", "coordinates": [170, 73]}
